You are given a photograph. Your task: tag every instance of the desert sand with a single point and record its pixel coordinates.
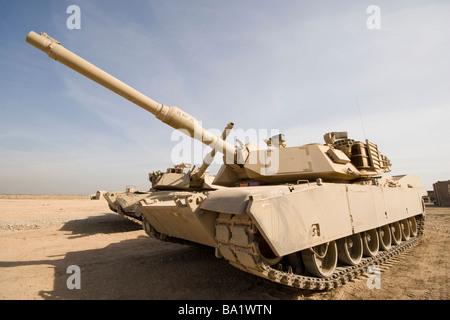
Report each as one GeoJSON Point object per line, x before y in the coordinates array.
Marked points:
{"type": "Point", "coordinates": [41, 238]}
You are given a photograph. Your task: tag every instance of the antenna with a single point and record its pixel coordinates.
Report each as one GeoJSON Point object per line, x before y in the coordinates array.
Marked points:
{"type": "Point", "coordinates": [360, 118]}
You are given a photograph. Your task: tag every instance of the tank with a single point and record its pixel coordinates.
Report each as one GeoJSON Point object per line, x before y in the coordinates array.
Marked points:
{"type": "Point", "coordinates": [313, 216]}
{"type": "Point", "coordinates": [174, 182]}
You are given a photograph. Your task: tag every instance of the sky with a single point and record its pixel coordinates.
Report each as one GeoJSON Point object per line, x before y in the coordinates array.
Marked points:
{"type": "Point", "coordinates": [302, 68]}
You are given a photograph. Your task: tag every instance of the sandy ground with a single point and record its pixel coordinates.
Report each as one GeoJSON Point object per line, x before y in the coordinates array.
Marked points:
{"type": "Point", "coordinates": [41, 238]}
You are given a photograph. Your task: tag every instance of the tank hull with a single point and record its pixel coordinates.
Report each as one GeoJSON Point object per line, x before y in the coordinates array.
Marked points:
{"type": "Point", "coordinates": [311, 215]}
{"type": "Point", "coordinates": [179, 216]}
{"type": "Point", "coordinates": [125, 203]}
{"type": "Point", "coordinates": [290, 217]}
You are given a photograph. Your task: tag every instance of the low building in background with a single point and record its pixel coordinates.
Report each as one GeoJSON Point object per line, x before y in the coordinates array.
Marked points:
{"type": "Point", "coordinates": [442, 193]}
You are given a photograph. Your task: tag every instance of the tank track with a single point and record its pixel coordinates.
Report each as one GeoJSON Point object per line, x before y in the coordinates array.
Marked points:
{"type": "Point", "coordinates": [236, 235]}
{"type": "Point", "coordinates": [128, 217]}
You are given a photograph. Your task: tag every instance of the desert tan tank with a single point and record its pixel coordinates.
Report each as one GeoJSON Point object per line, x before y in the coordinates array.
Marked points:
{"type": "Point", "coordinates": [174, 182]}
{"type": "Point", "coordinates": [311, 216]}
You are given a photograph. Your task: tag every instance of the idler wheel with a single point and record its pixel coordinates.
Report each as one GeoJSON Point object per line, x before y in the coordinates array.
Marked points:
{"type": "Point", "coordinates": [384, 234]}
{"type": "Point", "coordinates": [350, 249]}
{"type": "Point", "coordinates": [406, 232]}
{"type": "Point", "coordinates": [396, 232]}
{"type": "Point", "coordinates": [321, 260]}
{"type": "Point", "coordinates": [413, 226]}
{"type": "Point", "coordinates": [371, 242]}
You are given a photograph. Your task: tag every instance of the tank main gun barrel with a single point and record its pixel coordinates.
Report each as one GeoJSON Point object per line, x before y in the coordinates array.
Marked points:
{"type": "Point", "coordinates": [172, 116]}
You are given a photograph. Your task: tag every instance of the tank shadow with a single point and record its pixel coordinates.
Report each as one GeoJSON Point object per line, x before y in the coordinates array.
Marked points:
{"type": "Point", "coordinates": [145, 268]}
{"type": "Point", "coordinates": [107, 224]}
